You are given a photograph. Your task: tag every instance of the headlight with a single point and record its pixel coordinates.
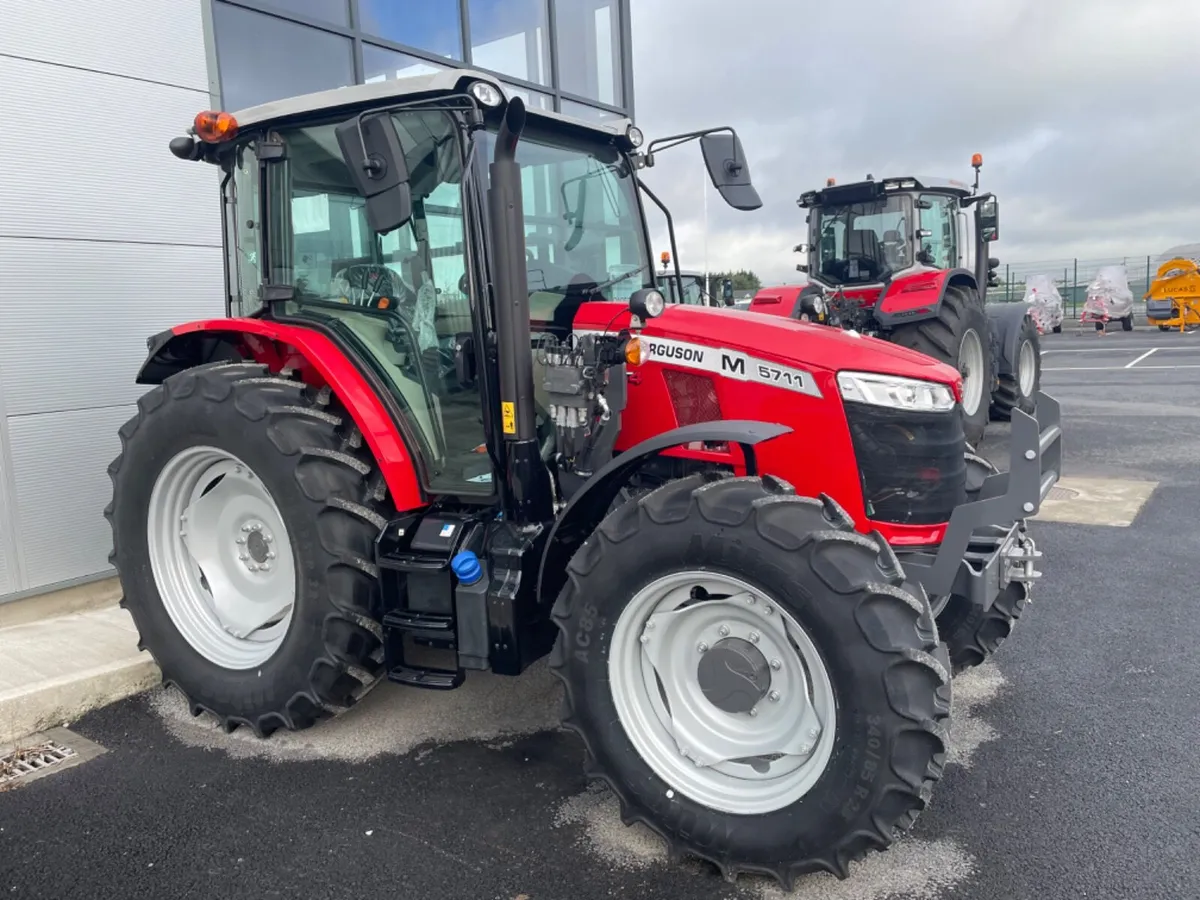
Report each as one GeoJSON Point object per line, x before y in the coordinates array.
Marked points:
{"type": "Point", "coordinates": [895, 392]}
{"type": "Point", "coordinates": [485, 93]}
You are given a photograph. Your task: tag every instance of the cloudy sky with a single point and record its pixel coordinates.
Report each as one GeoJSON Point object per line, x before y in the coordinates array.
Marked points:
{"type": "Point", "coordinates": [1087, 113]}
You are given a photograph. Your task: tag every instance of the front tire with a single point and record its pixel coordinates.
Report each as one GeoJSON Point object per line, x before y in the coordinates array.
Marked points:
{"type": "Point", "coordinates": [1018, 390]}
{"type": "Point", "coordinates": [959, 337]}
{"type": "Point", "coordinates": [1127, 323]}
{"type": "Point", "coordinates": [1057, 329]}
{"type": "Point", "coordinates": [838, 594]}
{"type": "Point", "coordinates": [203, 556]}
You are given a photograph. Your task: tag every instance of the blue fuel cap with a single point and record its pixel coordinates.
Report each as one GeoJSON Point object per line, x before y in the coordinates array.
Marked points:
{"type": "Point", "coordinates": [466, 567]}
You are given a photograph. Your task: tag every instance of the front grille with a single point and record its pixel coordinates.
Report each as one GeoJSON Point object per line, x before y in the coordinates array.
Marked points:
{"type": "Point", "coordinates": [912, 464]}
{"type": "Point", "coordinates": [693, 396]}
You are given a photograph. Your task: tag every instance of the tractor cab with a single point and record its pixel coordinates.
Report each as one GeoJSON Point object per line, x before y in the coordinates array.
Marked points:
{"type": "Point", "coordinates": [688, 287]}
{"type": "Point", "coordinates": [870, 233]}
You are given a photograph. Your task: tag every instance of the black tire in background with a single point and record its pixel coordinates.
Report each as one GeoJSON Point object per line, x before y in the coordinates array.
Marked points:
{"type": "Point", "coordinates": [879, 645]}
{"type": "Point", "coordinates": [1008, 394]}
{"type": "Point", "coordinates": [942, 337]}
{"type": "Point", "coordinates": [1127, 323]}
{"type": "Point", "coordinates": [1057, 329]}
{"type": "Point", "coordinates": [313, 461]}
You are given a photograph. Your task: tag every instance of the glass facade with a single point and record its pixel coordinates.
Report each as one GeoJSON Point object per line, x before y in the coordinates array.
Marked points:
{"type": "Point", "coordinates": [567, 55]}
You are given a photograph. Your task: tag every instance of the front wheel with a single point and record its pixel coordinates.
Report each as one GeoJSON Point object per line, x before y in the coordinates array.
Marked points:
{"type": "Point", "coordinates": [1018, 389]}
{"type": "Point", "coordinates": [1127, 323]}
{"type": "Point", "coordinates": [749, 677]}
{"type": "Point", "coordinates": [959, 337]}
{"type": "Point", "coordinates": [1057, 329]}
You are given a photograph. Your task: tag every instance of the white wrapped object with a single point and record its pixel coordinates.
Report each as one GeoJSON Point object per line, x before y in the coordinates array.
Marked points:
{"type": "Point", "coordinates": [1109, 296]}
{"type": "Point", "coordinates": [1045, 302]}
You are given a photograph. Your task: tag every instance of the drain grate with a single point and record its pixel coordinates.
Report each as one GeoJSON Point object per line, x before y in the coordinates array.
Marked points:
{"type": "Point", "coordinates": [1061, 493]}
{"type": "Point", "coordinates": [24, 762]}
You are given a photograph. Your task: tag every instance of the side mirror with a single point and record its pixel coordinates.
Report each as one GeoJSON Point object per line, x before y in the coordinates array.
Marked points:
{"type": "Point", "coordinates": [802, 248]}
{"type": "Point", "coordinates": [729, 170]}
{"type": "Point", "coordinates": [464, 359]}
{"type": "Point", "coordinates": [989, 220]}
{"type": "Point", "coordinates": [727, 292]}
{"type": "Point", "coordinates": [372, 152]}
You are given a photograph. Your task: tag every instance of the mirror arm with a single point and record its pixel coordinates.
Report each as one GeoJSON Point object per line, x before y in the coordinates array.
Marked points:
{"type": "Point", "coordinates": [670, 232]}
{"type": "Point", "coordinates": [675, 140]}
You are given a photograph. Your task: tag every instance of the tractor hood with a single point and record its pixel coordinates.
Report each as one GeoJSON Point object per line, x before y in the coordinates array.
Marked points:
{"type": "Point", "coordinates": [775, 339]}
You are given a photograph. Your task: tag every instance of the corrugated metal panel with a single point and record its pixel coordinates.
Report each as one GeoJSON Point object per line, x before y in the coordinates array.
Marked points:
{"type": "Point", "coordinates": [151, 39]}
{"type": "Point", "coordinates": [60, 461]}
{"type": "Point", "coordinates": [114, 177]}
{"type": "Point", "coordinates": [76, 315]}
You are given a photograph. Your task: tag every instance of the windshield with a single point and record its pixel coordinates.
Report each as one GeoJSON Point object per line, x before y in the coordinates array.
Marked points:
{"type": "Point", "coordinates": [693, 290]}
{"type": "Point", "coordinates": [860, 243]}
{"type": "Point", "coordinates": [583, 228]}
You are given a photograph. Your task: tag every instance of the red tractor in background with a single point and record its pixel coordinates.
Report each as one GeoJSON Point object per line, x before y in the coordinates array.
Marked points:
{"type": "Point", "coordinates": [451, 425]}
{"type": "Point", "coordinates": [901, 259]}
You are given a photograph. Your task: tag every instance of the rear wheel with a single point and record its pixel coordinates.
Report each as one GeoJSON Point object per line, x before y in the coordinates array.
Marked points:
{"type": "Point", "coordinates": [959, 337]}
{"type": "Point", "coordinates": [1018, 390]}
{"type": "Point", "coordinates": [244, 513]}
{"type": "Point", "coordinates": [1164, 327]}
{"type": "Point", "coordinates": [749, 677]}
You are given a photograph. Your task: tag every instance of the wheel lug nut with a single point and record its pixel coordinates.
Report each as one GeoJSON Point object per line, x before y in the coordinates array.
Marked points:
{"type": "Point", "coordinates": [768, 610]}
{"type": "Point", "coordinates": [257, 527]}
{"type": "Point", "coordinates": [750, 600]}
{"type": "Point", "coordinates": [814, 733]}
{"type": "Point", "coordinates": [754, 637]}
{"type": "Point", "coordinates": [243, 556]}
{"type": "Point", "coordinates": [724, 630]}
{"type": "Point", "coordinates": [753, 712]}
{"type": "Point", "coordinates": [645, 638]}
{"type": "Point", "coordinates": [241, 540]}
{"type": "Point", "coordinates": [237, 468]}
{"type": "Point", "coordinates": [649, 626]}
{"type": "Point", "coordinates": [703, 648]}
{"type": "Point", "coordinates": [246, 528]}
{"type": "Point", "coordinates": [776, 664]}
{"type": "Point", "coordinates": [805, 748]}
{"type": "Point", "coordinates": [270, 538]}
{"type": "Point", "coordinates": [774, 696]}
{"type": "Point", "coordinates": [270, 554]}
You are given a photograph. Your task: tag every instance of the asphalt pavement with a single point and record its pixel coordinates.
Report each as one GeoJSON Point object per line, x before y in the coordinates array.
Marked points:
{"type": "Point", "coordinates": [1075, 771]}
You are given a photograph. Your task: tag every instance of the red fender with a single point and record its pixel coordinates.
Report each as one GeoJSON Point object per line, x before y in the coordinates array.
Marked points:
{"type": "Point", "coordinates": [917, 296]}
{"type": "Point", "coordinates": [320, 362]}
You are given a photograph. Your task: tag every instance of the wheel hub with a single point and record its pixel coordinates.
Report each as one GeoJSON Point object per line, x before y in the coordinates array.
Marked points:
{"type": "Point", "coordinates": [255, 552]}
{"type": "Point", "coordinates": [734, 676]}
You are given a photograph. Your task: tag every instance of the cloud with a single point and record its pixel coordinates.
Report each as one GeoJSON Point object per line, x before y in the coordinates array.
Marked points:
{"type": "Point", "coordinates": [1086, 122]}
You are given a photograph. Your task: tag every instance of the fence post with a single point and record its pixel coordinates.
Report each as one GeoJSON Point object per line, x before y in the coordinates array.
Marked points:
{"type": "Point", "coordinates": [1007, 284]}
{"type": "Point", "coordinates": [1147, 276]}
{"type": "Point", "coordinates": [1075, 288]}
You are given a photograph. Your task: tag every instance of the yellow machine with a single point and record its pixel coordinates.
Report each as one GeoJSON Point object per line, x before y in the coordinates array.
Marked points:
{"type": "Point", "coordinates": [1173, 300]}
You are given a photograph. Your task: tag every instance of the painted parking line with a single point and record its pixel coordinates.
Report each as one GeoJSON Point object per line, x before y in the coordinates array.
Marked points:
{"type": "Point", "coordinates": [1112, 368]}
{"type": "Point", "coordinates": [1140, 358]}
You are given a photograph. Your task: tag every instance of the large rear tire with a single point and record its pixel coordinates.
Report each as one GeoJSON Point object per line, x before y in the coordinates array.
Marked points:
{"type": "Point", "coordinates": [959, 337]}
{"type": "Point", "coordinates": [729, 565]}
{"type": "Point", "coordinates": [244, 513]}
{"type": "Point", "coordinates": [973, 634]}
{"type": "Point", "coordinates": [1018, 390]}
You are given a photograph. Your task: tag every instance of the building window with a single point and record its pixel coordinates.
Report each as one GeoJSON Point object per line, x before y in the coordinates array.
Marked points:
{"type": "Point", "coordinates": [511, 37]}
{"type": "Point", "coordinates": [430, 25]}
{"type": "Point", "coordinates": [264, 58]}
{"type": "Point", "coordinates": [380, 63]}
{"type": "Point", "coordinates": [589, 55]}
{"type": "Point", "coordinates": [333, 11]}
{"type": "Point", "coordinates": [533, 99]}
{"type": "Point", "coordinates": [588, 113]}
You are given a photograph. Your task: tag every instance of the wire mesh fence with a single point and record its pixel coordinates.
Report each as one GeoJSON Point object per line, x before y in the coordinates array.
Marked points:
{"type": "Point", "coordinates": [1072, 277]}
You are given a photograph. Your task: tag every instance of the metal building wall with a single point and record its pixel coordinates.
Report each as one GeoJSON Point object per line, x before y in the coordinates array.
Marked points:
{"type": "Point", "coordinates": [105, 238]}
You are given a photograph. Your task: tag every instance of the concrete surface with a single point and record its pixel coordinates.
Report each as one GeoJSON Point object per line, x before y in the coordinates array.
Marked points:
{"type": "Point", "coordinates": [56, 669]}
{"type": "Point", "coordinates": [79, 598]}
{"type": "Point", "coordinates": [1073, 772]}
{"type": "Point", "coordinates": [1096, 501]}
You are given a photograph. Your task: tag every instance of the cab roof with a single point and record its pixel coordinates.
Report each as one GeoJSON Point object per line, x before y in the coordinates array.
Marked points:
{"type": "Point", "coordinates": [379, 93]}
{"type": "Point", "coordinates": [862, 191]}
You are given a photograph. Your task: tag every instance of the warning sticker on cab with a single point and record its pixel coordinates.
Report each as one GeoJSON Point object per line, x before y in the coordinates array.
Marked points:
{"type": "Point", "coordinates": [508, 415]}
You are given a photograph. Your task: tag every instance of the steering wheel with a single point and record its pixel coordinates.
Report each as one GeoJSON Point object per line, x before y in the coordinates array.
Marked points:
{"type": "Point", "coordinates": [370, 283]}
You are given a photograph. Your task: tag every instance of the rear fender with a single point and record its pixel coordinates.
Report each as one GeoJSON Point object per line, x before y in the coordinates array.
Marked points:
{"type": "Point", "coordinates": [918, 296]}
{"type": "Point", "coordinates": [1005, 321]}
{"type": "Point", "coordinates": [319, 361]}
{"type": "Point", "coordinates": [592, 501]}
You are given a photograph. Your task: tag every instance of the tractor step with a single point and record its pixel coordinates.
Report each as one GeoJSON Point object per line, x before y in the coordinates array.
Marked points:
{"type": "Point", "coordinates": [429, 629]}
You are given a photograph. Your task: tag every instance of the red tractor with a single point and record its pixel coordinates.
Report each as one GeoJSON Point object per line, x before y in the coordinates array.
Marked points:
{"type": "Point", "coordinates": [901, 259]}
{"type": "Point", "coordinates": [450, 425]}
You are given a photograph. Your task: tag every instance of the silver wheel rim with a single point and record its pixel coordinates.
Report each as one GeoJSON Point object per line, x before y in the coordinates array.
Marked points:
{"type": "Point", "coordinates": [1026, 367]}
{"type": "Point", "coordinates": [740, 763]}
{"type": "Point", "coordinates": [970, 366]}
{"type": "Point", "coordinates": [221, 557]}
